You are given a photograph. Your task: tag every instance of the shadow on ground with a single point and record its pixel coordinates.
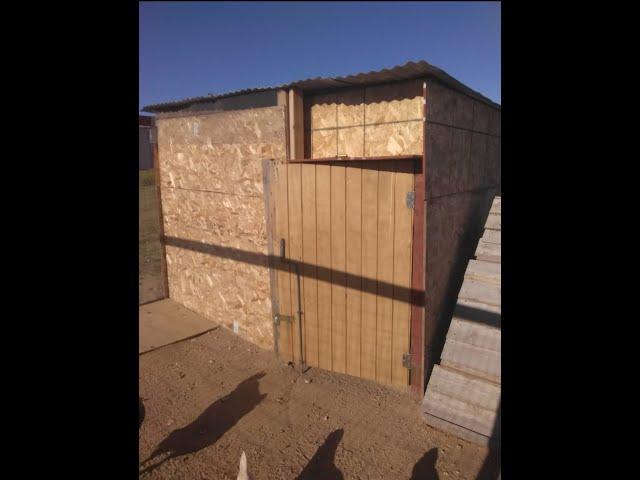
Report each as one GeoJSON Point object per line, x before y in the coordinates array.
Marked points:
{"type": "Point", "coordinates": [425, 468]}
{"type": "Point", "coordinates": [141, 413]}
{"type": "Point", "coordinates": [207, 429]}
{"type": "Point", "coordinates": [321, 465]}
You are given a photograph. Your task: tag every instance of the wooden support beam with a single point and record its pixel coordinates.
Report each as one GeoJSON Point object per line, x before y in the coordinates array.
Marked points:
{"type": "Point", "coordinates": [282, 98]}
{"type": "Point", "coordinates": [296, 123]}
{"type": "Point", "coordinates": [156, 168]}
{"type": "Point", "coordinates": [418, 287]}
{"type": "Point", "coordinates": [356, 159]}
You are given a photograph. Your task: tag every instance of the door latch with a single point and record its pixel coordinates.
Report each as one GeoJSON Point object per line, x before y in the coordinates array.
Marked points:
{"type": "Point", "coordinates": [277, 318]}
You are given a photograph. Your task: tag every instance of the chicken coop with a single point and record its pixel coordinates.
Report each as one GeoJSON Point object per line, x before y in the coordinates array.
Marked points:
{"type": "Point", "coordinates": [330, 219]}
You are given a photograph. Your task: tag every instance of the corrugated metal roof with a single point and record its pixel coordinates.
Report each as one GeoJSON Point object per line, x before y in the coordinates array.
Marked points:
{"type": "Point", "coordinates": [408, 71]}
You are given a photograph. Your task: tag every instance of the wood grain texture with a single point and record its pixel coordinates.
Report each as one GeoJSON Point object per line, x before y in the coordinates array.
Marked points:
{"type": "Point", "coordinates": [459, 412]}
{"type": "Point", "coordinates": [354, 268]}
{"type": "Point", "coordinates": [478, 361]}
{"type": "Point", "coordinates": [417, 285]}
{"type": "Point", "coordinates": [338, 266]}
{"type": "Point", "coordinates": [357, 275]}
{"type": "Point", "coordinates": [384, 306]}
{"type": "Point", "coordinates": [402, 237]}
{"type": "Point", "coordinates": [369, 272]}
{"type": "Point", "coordinates": [309, 237]}
{"type": "Point", "coordinates": [296, 123]}
{"type": "Point", "coordinates": [490, 252]}
{"type": "Point", "coordinates": [323, 225]}
{"type": "Point", "coordinates": [484, 271]}
{"type": "Point", "coordinates": [476, 334]}
{"type": "Point", "coordinates": [293, 250]}
{"type": "Point", "coordinates": [480, 291]}
{"type": "Point", "coordinates": [464, 387]}
{"type": "Point", "coordinates": [283, 280]}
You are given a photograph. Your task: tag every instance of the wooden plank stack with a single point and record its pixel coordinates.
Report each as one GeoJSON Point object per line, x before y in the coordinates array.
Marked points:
{"type": "Point", "coordinates": [463, 394]}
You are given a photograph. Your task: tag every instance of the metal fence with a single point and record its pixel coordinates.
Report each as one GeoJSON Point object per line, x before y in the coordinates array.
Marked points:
{"type": "Point", "coordinates": [151, 281]}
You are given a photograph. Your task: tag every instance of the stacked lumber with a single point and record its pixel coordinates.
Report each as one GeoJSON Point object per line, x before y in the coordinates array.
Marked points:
{"type": "Point", "coordinates": [463, 394]}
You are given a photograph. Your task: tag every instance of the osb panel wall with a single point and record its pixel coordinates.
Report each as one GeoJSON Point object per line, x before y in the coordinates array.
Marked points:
{"type": "Point", "coordinates": [454, 223]}
{"type": "Point", "coordinates": [212, 202]}
{"type": "Point", "coordinates": [463, 142]}
{"type": "Point", "coordinates": [365, 122]}
{"type": "Point", "coordinates": [462, 176]}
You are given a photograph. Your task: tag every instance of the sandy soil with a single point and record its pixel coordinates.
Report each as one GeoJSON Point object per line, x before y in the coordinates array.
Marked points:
{"type": "Point", "coordinates": [209, 398]}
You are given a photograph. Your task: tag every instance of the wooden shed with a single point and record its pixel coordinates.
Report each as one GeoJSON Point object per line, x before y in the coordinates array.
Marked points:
{"type": "Point", "coordinates": [349, 206]}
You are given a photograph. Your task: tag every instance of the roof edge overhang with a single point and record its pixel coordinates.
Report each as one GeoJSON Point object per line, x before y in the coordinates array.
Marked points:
{"type": "Point", "coordinates": [401, 73]}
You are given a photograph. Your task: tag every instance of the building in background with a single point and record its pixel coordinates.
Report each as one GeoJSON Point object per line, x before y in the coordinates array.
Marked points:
{"type": "Point", "coordinates": [145, 152]}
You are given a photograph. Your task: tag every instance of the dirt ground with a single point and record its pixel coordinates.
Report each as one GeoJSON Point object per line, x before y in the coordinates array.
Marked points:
{"type": "Point", "coordinates": [207, 399]}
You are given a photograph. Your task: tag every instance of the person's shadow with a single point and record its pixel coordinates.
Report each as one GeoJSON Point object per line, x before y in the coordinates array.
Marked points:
{"type": "Point", "coordinates": [321, 466]}
{"type": "Point", "coordinates": [141, 413]}
{"type": "Point", "coordinates": [425, 468]}
{"type": "Point", "coordinates": [205, 430]}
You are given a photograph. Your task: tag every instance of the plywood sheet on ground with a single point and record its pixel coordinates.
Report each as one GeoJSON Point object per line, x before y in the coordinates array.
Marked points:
{"type": "Point", "coordinates": [165, 322]}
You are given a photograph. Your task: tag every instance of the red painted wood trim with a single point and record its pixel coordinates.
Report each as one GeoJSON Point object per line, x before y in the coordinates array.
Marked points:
{"type": "Point", "coordinates": [356, 159]}
{"type": "Point", "coordinates": [418, 273]}
{"type": "Point", "coordinates": [417, 287]}
{"type": "Point", "coordinates": [145, 121]}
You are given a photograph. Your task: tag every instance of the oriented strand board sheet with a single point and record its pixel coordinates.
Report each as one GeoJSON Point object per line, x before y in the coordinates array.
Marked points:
{"type": "Point", "coordinates": [442, 165]}
{"type": "Point", "coordinates": [449, 107]}
{"type": "Point", "coordinates": [402, 138]}
{"type": "Point", "coordinates": [397, 102]}
{"type": "Point", "coordinates": [454, 224]}
{"type": "Point", "coordinates": [462, 142]}
{"type": "Point", "coordinates": [214, 219]}
{"type": "Point", "coordinates": [164, 322]}
{"type": "Point", "coordinates": [373, 121]}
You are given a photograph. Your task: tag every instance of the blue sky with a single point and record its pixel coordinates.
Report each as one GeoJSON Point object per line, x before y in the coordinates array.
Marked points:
{"type": "Point", "coordinates": [192, 49]}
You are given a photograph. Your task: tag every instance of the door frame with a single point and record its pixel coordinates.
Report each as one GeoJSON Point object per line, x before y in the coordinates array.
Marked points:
{"type": "Point", "coordinates": [418, 257]}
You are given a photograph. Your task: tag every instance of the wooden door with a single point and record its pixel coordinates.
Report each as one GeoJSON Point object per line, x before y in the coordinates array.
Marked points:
{"type": "Point", "coordinates": [348, 228]}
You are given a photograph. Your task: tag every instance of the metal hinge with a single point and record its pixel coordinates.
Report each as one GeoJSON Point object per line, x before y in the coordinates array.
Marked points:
{"type": "Point", "coordinates": [411, 199]}
{"type": "Point", "coordinates": [277, 318]}
{"type": "Point", "coordinates": [406, 360]}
